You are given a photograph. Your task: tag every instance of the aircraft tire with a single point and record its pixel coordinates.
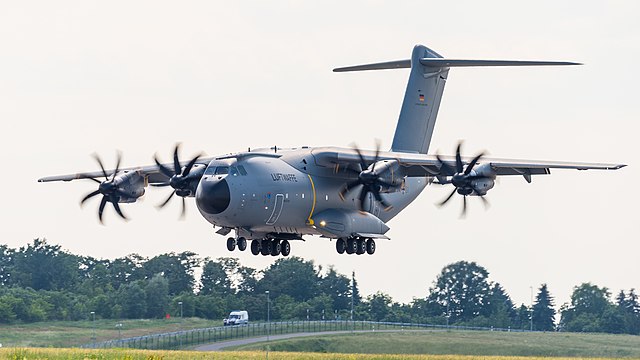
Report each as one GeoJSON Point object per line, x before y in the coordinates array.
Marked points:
{"type": "Point", "coordinates": [231, 244]}
{"type": "Point", "coordinates": [255, 247]}
{"type": "Point", "coordinates": [361, 246]}
{"type": "Point", "coordinates": [265, 247]}
{"type": "Point", "coordinates": [275, 247]}
{"type": "Point", "coordinates": [242, 244]}
{"type": "Point", "coordinates": [371, 246]}
{"type": "Point", "coordinates": [341, 246]}
{"type": "Point", "coordinates": [285, 248]}
{"type": "Point", "coordinates": [351, 246]}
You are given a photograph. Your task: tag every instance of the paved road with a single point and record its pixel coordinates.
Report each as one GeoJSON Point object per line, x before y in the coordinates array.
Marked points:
{"type": "Point", "coordinates": [224, 344]}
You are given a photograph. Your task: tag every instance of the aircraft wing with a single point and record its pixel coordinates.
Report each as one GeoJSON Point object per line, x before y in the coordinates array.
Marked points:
{"type": "Point", "coordinates": [419, 165]}
{"type": "Point", "coordinates": [151, 172]}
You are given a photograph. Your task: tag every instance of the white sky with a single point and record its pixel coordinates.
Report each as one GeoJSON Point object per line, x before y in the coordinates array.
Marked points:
{"type": "Point", "coordinates": [78, 77]}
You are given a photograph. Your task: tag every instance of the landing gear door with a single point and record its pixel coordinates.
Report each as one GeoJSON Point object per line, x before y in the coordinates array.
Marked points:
{"type": "Point", "coordinates": [277, 209]}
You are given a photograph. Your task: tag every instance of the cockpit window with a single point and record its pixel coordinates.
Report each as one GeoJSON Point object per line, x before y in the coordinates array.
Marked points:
{"type": "Point", "coordinates": [242, 171]}
{"type": "Point", "coordinates": [222, 170]}
{"type": "Point", "coordinates": [233, 171]}
{"type": "Point", "coordinates": [210, 170]}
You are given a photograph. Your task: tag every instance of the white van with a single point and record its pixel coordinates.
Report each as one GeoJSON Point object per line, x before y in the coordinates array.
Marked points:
{"type": "Point", "coordinates": [237, 317]}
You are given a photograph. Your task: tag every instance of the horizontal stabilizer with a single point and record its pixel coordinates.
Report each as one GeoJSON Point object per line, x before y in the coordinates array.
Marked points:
{"type": "Point", "coordinates": [448, 63]}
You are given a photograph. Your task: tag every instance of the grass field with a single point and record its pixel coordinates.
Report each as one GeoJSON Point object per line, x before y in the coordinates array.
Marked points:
{"type": "Point", "coordinates": [480, 343]}
{"type": "Point", "coordinates": [68, 354]}
{"type": "Point", "coordinates": [75, 333]}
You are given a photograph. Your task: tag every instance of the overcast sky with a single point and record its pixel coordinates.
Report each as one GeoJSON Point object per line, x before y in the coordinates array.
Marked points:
{"type": "Point", "coordinates": [78, 77]}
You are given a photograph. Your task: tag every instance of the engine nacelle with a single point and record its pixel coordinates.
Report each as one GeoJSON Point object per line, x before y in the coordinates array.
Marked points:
{"type": "Point", "coordinates": [131, 185]}
{"type": "Point", "coordinates": [486, 183]}
{"type": "Point", "coordinates": [390, 172]}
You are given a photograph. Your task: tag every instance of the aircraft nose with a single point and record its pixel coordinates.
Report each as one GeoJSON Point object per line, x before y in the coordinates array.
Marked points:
{"type": "Point", "coordinates": [213, 197]}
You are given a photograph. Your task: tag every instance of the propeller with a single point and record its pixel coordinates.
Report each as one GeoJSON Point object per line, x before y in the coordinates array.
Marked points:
{"type": "Point", "coordinates": [462, 179]}
{"type": "Point", "coordinates": [179, 179]}
{"type": "Point", "coordinates": [371, 181]}
{"type": "Point", "coordinates": [108, 188]}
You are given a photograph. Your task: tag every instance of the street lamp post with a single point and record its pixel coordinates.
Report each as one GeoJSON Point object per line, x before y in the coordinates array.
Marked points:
{"type": "Point", "coordinates": [93, 325]}
{"type": "Point", "coordinates": [531, 322]}
{"type": "Point", "coordinates": [119, 326]}
{"type": "Point", "coordinates": [268, 321]}
{"type": "Point", "coordinates": [181, 321]}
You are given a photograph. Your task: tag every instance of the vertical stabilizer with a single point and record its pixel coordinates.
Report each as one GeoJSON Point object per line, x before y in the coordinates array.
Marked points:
{"type": "Point", "coordinates": [421, 102]}
{"type": "Point", "coordinates": [424, 91]}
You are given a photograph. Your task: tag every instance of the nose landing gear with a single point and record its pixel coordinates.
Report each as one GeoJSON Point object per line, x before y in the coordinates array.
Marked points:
{"type": "Point", "coordinates": [354, 245]}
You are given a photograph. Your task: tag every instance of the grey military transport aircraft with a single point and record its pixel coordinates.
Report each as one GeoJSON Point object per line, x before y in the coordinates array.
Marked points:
{"type": "Point", "coordinates": [273, 196]}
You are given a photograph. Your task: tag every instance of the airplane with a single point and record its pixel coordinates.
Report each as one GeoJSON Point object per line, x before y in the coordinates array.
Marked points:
{"type": "Point", "coordinates": [272, 196]}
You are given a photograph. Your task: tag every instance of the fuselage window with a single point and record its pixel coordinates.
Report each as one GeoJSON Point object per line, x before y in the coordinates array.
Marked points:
{"type": "Point", "coordinates": [210, 170]}
{"type": "Point", "coordinates": [241, 170]}
{"type": "Point", "coordinates": [222, 170]}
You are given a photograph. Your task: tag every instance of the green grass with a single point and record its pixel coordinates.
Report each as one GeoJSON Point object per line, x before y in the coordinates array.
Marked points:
{"type": "Point", "coordinates": [68, 354]}
{"type": "Point", "coordinates": [75, 333]}
{"type": "Point", "coordinates": [482, 343]}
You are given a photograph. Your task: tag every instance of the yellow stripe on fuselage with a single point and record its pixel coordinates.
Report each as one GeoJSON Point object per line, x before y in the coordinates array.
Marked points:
{"type": "Point", "coordinates": [313, 206]}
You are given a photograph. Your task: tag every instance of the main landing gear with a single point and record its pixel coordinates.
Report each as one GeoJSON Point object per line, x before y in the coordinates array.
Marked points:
{"type": "Point", "coordinates": [356, 245]}
{"type": "Point", "coordinates": [265, 246]}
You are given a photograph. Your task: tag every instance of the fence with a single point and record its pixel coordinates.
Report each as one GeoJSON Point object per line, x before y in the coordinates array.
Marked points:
{"type": "Point", "coordinates": [181, 339]}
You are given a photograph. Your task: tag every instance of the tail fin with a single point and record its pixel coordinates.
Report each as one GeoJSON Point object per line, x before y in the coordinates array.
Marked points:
{"type": "Point", "coordinates": [424, 91]}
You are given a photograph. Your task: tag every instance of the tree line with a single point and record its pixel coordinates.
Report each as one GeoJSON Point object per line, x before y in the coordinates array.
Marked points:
{"type": "Point", "coordinates": [41, 282]}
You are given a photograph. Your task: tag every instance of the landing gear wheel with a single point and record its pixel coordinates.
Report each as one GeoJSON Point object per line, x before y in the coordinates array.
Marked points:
{"type": "Point", "coordinates": [341, 246]}
{"type": "Point", "coordinates": [371, 246]}
{"type": "Point", "coordinates": [275, 247]}
{"type": "Point", "coordinates": [242, 244]}
{"type": "Point", "coordinates": [265, 247]}
{"type": "Point", "coordinates": [351, 246]}
{"type": "Point", "coordinates": [231, 244]}
{"type": "Point", "coordinates": [361, 246]}
{"type": "Point", "coordinates": [285, 248]}
{"type": "Point", "coordinates": [255, 247]}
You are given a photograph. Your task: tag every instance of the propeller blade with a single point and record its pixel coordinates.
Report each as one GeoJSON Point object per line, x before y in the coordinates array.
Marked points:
{"type": "Point", "coordinates": [347, 188]}
{"type": "Point", "coordinates": [183, 213]}
{"type": "Point", "coordinates": [458, 158]}
{"type": "Point", "coordinates": [117, 207]}
{"type": "Point", "coordinates": [447, 168]}
{"type": "Point", "coordinates": [176, 160]}
{"type": "Point", "coordinates": [363, 198]}
{"type": "Point", "coordinates": [473, 163]}
{"type": "Point", "coordinates": [485, 202]}
{"type": "Point", "coordinates": [104, 172]}
{"type": "Point", "coordinates": [378, 197]}
{"type": "Point", "coordinates": [167, 200]}
{"type": "Point", "coordinates": [363, 164]}
{"type": "Point", "coordinates": [464, 206]}
{"type": "Point", "coordinates": [163, 169]}
{"type": "Point", "coordinates": [117, 166]}
{"type": "Point", "coordinates": [375, 159]}
{"type": "Point", "coordinates": [448, 198]}
{"type": "Point", "coordinates": [103, 202]}
{"type": "Point", "coordinates": [90, 195]}
{"type": "Point", "coordinates": [160, 184]}
{"type": "Point", "coordinates": [187, 169]}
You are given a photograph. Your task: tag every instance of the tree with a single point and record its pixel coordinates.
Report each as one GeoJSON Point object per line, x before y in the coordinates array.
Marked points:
{"type": "Point", "coordinates": [133, 300]}
{"type": "Point", "coordinates": [585, 312]}
{"type": "Point", "coordinates": [290, 276]}
{"type": "Point", "coordinates": [338, 287]}
{"type": "Point", "coordinates": [462, 290]}
{"type": "Point", "coordinates": [543, 310]}
{"type": "Point", "coordinates": [214, 279]}
{"type": "Point", "coordinates": [178, 269]}
{"type": "Point", "coordinates": [379, 306]}
{"type": "Point", "coordinates": [42, 266]}
{"type": "Point", "coordinates": [6, 264]}
{"type": "Point", "coordinates": [157, 296]}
